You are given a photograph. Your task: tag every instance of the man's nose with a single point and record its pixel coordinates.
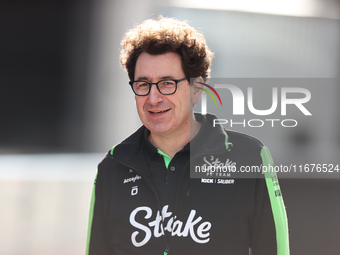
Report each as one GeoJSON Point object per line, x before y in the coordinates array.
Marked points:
{"type": "Point", "coordinates": [155, 96]}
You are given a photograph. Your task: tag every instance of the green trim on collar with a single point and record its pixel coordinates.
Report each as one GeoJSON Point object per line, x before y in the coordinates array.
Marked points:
{"type": "Point", "coordinates": [111, 151]}
{"type": "Point", "coordinates": [166, 158]}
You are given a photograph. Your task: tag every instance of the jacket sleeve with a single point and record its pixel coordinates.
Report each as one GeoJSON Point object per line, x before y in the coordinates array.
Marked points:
{"type": "Point", "coordinates": [269, 227]}
{"type": "Point", "coordinates": [98, 235]}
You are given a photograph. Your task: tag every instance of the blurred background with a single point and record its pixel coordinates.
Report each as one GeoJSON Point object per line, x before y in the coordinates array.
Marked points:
{"type": "Point", "coordinates": [65, 101]}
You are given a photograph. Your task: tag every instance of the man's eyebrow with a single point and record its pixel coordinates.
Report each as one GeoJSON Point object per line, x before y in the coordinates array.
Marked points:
{"type": "Point", "coordinates": [160, 78]}
{"type": "Point", "coordinates": [167, 77]}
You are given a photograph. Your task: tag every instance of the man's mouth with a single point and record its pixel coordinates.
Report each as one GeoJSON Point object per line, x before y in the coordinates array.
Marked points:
{"type": "Point", "coordinates": [159, 112]}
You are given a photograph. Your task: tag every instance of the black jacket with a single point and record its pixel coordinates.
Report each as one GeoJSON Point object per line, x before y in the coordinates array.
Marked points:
{"type": "Point", "coordinates": [224, 215]}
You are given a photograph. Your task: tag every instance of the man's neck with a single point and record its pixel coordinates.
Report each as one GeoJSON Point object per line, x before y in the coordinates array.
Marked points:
{"type": "Point", "coordinates": [172, 143]}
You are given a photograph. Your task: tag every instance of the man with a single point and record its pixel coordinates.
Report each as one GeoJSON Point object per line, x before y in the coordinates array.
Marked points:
{"type": "Point", "coordinates": [144, 201]}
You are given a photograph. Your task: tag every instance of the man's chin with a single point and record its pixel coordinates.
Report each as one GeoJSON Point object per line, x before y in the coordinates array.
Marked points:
{"type": "Point", "coordinates": [159, 128]}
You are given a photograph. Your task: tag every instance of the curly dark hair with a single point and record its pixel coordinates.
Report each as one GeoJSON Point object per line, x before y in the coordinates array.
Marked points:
{"type": "Point", "coordinates": [164, 35]}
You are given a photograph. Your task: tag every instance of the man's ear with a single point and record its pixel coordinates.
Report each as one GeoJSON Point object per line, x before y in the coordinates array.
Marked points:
{"type": "Point", "coordinates": [197, 89]}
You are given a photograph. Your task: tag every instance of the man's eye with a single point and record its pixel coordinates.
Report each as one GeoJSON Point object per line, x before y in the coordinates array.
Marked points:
{"type": "Point", "coordinates": [168, 83]}
{"type": "Point", "coordinates": [143, 84]}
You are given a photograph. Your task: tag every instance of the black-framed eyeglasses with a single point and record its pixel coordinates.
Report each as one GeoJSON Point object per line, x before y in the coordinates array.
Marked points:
{"type": "Point", "coordinates": [165, 87]}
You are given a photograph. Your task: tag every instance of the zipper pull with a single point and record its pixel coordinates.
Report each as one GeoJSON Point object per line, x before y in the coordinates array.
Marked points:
{"type": "Point", "coordinates": [167, 248]}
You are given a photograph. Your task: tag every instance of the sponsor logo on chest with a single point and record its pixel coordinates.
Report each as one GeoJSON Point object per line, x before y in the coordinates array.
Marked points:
{"type": "Point", "coordinates": [217, 181]}
{"type": "Point", "coordinates": [216, 164]}
{"type": "Point", "coordinates": [194, 226]}
{"type": "Point", "coordinates": [132, 179]}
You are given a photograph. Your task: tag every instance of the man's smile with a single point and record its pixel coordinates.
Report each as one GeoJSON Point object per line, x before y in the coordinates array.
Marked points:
{"type": "Point", "coordinates": [159, 112]}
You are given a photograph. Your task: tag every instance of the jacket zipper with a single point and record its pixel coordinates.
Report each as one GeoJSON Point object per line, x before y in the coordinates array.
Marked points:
{"type": "Point", "coordinates": [167, 248]}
